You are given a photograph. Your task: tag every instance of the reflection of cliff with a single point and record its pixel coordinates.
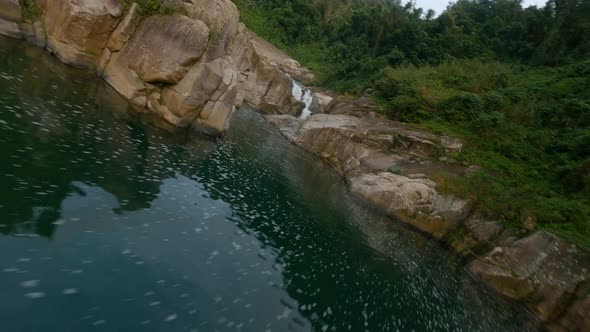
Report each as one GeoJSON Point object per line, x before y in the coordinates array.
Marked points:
{"type": "Point", "coordinates": [60, 125]}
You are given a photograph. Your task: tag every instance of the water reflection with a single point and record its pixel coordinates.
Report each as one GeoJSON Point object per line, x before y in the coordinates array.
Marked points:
{"type": "Point", "coordinates": [157, 230]}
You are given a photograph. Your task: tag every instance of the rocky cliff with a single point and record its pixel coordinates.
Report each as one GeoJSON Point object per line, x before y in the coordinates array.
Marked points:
{"type": "Point", "coordinates": [191, 68]}
{"type": "Point", "coordinates": [194, 67]}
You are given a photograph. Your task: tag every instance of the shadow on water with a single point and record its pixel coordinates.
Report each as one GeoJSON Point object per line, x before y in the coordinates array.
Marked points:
{"type": "Point", "coordinates": [154, 229]}
{"type": "Point", "coordinates": [63, 125]}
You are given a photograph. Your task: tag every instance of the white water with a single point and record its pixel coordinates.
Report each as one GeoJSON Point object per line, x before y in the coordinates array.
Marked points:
{"type": "Point", "coordinates": [304, 95]}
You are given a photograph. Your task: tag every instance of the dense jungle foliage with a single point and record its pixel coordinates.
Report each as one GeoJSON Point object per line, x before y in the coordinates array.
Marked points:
{"type": "Point", "coordinates": [513, 82]}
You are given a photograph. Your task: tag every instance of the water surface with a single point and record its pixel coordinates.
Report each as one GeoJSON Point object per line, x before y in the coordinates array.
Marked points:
{"type": "Point", "coordinates": [110, 223]}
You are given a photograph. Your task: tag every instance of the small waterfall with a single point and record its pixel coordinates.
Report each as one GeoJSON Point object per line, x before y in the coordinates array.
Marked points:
{"type": "Point", "coordinates": [304, 95]}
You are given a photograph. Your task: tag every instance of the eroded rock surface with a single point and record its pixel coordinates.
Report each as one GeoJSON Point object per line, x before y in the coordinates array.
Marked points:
{"type": "Point", "coordinates": [164, 48]}
{"type": "Point", "coordinates": [366, 150]}
{"type": "Point", "coordinates": [552, 276]}
{"type": "Point", "coordinates": [10, 10]}
{"type": "Point", "coordinates": [267, 74]}
{"type": "Point", "coordinates": [414, 201]}
{"type": "Point", "coordinates": [78, 30]}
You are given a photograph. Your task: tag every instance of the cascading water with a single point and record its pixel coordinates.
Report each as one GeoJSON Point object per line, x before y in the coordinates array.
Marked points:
{"type": "Point", "coordinates": [304, 95]}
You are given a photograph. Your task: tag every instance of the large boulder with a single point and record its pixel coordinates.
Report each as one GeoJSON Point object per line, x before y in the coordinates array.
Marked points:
{"type": "Point", "coordinates": [205, 98]}
{"type": "Point", "coordinates": [11, 10]}
{"type": "Point", "coordinates": [162, 50]}
{"type": "Point", "coordinates": [78, 30]}
{"type": "Point", "coordinates": [541, 270]}
{"type": "Point", "coordinates": [222, 18]}
{"type": "Point", "coordinates": [414, 201]}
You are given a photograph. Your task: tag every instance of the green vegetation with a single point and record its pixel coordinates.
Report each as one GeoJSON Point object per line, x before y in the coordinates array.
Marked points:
{"type": "Point", "coordinates": [513, 82]}
{"type": "Point", "coordinates": [156, 7]}
{"type": "Point", "coordinates": [30, 10]}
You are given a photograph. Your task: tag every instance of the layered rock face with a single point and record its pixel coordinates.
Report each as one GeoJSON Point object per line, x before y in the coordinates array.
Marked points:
{"type": "Point", "coordinates": [549, 274]}
{"type": "Point", "coordinates": [191, 68]}
{"type": "Point", "coordinates": [12, 24]}
{"type": "Point", "coordinates": [365, 151]}
{"type": "Point", "coordinates": [77, 31]}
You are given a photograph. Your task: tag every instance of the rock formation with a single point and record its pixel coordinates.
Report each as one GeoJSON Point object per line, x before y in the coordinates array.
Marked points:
{"type": "Point", "coordinates": [550, 275]}
{"type": "Point", "coordinates": [191, 68]}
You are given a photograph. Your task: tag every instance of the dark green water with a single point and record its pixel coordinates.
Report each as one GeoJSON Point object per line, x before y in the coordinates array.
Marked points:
{"type": "Point", "coordinates": [111, 224]}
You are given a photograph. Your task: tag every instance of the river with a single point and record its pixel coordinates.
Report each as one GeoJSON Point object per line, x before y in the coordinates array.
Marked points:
{"type": "Point", "coordinates": [112, 222]}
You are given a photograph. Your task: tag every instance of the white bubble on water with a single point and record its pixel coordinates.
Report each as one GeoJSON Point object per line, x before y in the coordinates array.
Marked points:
{"type": "Point", "coordinates": [35, 295]}
{"type": "Point", "coordinates": [29, 283]}
{"type": "Point", "coordinates": [171, 318]}
{"type": "Point", "coordinates": [70, 291]}
{"type": "Point", "coordinates": [285, 314]}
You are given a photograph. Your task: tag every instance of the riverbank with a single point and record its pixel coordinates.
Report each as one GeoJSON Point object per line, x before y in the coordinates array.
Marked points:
{"type": "Point", "coordinates": [153, 63]}
{"type": "Point", "coordinates": [395, 166]}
